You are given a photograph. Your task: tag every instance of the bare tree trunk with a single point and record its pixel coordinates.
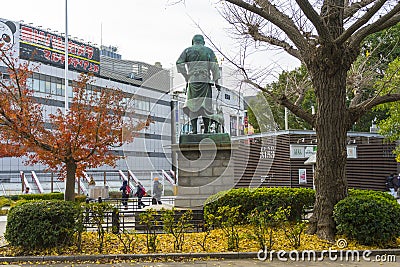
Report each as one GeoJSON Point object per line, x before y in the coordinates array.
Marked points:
{"type": "Point", "coordinates": [69, 194]}
{"type": "Point", "coordinates": [331, 129]}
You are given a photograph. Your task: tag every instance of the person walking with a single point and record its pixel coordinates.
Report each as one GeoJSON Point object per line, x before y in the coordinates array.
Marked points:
{"type": "Point", "coordinates": [125, 193]}
{"type": "Point", "coordinates": [396, 185]}
{"type": "Point", "coordinates": [157, 191]}
{"type": "Point", "coordinates": [140, 192]}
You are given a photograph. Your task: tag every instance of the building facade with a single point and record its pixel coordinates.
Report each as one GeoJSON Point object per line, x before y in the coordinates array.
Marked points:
{"type": "Point", "coordinates": [147, 85]}
{"type": "Point", "coordinates": [287, 159]}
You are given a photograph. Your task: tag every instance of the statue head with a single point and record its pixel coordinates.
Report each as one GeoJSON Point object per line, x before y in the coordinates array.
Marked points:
{"type": "Point", "coordinates": [198, 39]}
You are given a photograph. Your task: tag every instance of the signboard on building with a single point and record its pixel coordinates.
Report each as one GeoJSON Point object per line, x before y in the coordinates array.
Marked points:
{"type": "Point", "coordinates": [305, 151]}
{"type": "Point", "coordinates": [49, 48]}
{"type": "Point", "coordinates": [9, 32]}
{"type": "Point", "coordinates": [302, 176]}
{"type": "Point", "coordinates": [267, 152]}
{"type": "Point", "coordinates": [302, 151]}
{"type": "Point", "coordinates": [352, 152]}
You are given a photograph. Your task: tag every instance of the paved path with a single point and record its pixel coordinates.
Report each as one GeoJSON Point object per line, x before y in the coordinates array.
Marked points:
{"type": "Point", "coordinates": [230, 263]}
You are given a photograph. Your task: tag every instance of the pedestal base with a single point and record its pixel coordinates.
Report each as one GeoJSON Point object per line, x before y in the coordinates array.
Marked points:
{"type": "Point", "coordinates": [218, 138]}
{"type": "Point", "coordinates": [96, 191]}
{"type": "Point", "coordinates": [204, 168]}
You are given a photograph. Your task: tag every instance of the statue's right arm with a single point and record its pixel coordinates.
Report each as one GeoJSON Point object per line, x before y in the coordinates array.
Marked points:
{"type": "Point", "coordinates": [181, 65]}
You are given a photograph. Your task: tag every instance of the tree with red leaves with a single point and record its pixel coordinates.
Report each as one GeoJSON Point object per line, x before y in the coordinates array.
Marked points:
{"type": "Point", "coordinates": [84, 137]}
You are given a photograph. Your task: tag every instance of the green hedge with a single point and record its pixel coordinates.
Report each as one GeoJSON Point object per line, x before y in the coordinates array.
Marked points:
{"type": "Point", "coordinates": [370, 217]}
{"type": "Point", "coordinates": [371, 193]}
{"type": "Point", "coordinates": [263, 198]}
{"type": "Point", "coordinates": [41, 224]}
{"type": "Point", "coordinates": [49, 196]}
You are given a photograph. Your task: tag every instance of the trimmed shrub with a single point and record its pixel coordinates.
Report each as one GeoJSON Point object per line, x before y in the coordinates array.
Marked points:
{"type": "Point", "coordinates": [115, 194]}
{"type": "Point", "coordinates": [362, 192]}
{"type": "Point", "coordinates": [369, 217]}
{"type": "Point", "coordinates": [41, 224]}
{"type": "Point", "coordinates": [79, 198]}
{"type": "Point", "coordinates": [49, 196]}
{"type": "Point", "coordinates": [262, 199]}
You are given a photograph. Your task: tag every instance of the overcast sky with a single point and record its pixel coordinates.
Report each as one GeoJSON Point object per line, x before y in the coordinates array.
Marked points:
{"type": "Point", "coordinates": [142, 30]}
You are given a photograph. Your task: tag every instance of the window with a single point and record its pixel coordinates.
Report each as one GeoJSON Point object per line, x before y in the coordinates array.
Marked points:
{"type": "Point", "coordinates": [47, 86]}
{"type": "Point", "coordinates": [142, 104]}
{"type": "Point", "coordinates": [59, 89]}
{"type": "Point", "coordinates": [42, 86]}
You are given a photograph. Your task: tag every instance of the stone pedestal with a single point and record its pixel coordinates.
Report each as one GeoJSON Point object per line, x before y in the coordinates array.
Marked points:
{"type": "Point", "coordinates": [96, 191]}
{"type": "Point", "coordinates": [204, 168]}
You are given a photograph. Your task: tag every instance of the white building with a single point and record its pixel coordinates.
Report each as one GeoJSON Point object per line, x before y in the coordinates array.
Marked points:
{"type": "Point", "coordinates": [148, 85]}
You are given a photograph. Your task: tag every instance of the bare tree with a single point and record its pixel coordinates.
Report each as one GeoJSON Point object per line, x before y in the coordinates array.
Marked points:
{"type": "Point", "coordinates": [325, 35]}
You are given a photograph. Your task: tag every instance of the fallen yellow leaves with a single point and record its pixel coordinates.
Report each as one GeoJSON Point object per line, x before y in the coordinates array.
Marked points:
{"type": "Point", "coordinates": [215, 242]}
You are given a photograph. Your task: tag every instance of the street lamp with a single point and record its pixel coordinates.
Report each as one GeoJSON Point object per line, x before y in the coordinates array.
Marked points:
{"type": "Point", "coordinates": [66, 59]}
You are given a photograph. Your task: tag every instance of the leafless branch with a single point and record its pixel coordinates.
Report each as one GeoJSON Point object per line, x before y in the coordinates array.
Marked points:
{"type": "Point", "coordinates": [389, 19]}
{"type": "Point", "coordinates": [360, 22]}
{"type": "Point", "coordinates": [313, 16]}
{"type": "Point", "coordinates": [349, 11]}
{"type": "Point", "coordinates": [270, 12]}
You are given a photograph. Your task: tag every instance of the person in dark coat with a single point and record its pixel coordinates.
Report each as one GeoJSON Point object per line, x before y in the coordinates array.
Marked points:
{"type": "Point", "coordinates": [396, 184]}
{"type": "Point", "coordinates": [125, 193]}
{"type": "Point", "coordinates": [140, 192]}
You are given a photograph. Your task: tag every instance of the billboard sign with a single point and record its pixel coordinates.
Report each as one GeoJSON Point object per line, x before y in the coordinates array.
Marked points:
{"type": "Point", "coordinates": [49, 48]}
{"type": "Point", "coordinates": [9, 32]}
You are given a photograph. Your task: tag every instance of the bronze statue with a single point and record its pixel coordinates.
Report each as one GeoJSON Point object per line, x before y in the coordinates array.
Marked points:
{"type": "Point", "coordinates": [199, 66]}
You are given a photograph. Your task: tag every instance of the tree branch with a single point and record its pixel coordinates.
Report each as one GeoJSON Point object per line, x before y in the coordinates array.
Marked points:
{"type": "Point", "coordinates": [257, 36]}
{"type": "Point", "coordinates": [284, 101]}
{"type": "Point", "coordinates": [387, 20]}
{"type": "Point", "coordinates": [315, 19]}
{"type": "Point", "coordinates": [362, 108]}
{"type": "Point", "coordinates": [363, 20]}
{"type": "Point", "coordinates": [355, 7]}
{"type": "Point", "coordinates": [276, 17]}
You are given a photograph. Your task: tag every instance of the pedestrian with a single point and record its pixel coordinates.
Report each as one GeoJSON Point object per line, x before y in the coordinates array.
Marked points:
{"type": "Point", "coordinates": [27, 190]}
{"type": "Point", "coordinates": [125, 193]}
{"type": "Point", "coordinates": [157, 191]}
{"type": "Point", "coordinates": [391, 183]}
{"type": "Point", "coordinates": [396, 185]}
{"type": "Point", "coordinates": [140, 192]}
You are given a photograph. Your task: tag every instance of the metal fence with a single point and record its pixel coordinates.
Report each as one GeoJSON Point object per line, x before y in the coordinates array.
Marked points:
{"type": "Point", "coordinates": [125, 218]}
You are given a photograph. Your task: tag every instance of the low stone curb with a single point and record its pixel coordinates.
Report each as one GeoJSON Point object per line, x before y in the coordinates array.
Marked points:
{"type": "Point", "coordinates": [226, 255]}
{"type": "Point", "coordinates": [160, 256]}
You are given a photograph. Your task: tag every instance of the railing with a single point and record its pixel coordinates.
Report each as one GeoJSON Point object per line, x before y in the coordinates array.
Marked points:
{"type": "Point", "coordinates": [23, 178]}
{"type": "Point", "coordinates": [130, 173]}
{"type": "Point", "coordinates": [3, 189]}
{"type": "Point", "coordinates": [82, 186]}
{"type": "Point", "coordinates": [128, 219]}
{"type": "Point", "coordinates": [58, 186]}
{"type": "Point", "coordinates": [14, 183]}
{"type": "Point", "coordinates": [86, 177]}
{"type": "Point", "coordinates": [36, 180]}
{"type": "Point", "coordinates": [168, 177]}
